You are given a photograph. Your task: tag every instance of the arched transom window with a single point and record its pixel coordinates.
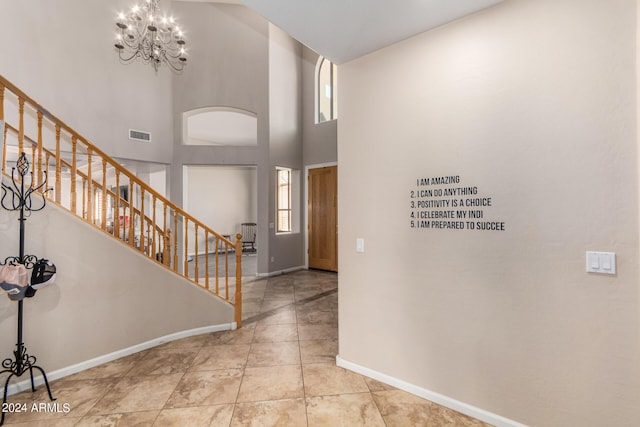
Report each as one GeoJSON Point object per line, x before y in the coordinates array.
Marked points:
{"type": "Point", "coordinates": [326, 90]}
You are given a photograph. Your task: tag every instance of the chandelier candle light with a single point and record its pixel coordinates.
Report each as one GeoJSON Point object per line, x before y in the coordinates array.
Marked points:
{"type": "Point", "coordinates": [147, 34]}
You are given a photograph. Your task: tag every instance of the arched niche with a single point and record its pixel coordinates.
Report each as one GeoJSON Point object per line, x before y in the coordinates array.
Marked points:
{"type": "Point", "coordinates": [220, 126]}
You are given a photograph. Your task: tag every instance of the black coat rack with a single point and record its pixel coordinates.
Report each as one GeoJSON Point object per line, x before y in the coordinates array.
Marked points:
{"type": "Point", "coordinates": [18, 197]}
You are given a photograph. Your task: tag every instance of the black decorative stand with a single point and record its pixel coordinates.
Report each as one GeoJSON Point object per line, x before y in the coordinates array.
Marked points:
{"type": "Point", "coordinates": [19, 199]}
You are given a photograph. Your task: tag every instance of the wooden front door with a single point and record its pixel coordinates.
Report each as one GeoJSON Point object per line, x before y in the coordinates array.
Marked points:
{"type": "Point", "coordinates": [323, 218]}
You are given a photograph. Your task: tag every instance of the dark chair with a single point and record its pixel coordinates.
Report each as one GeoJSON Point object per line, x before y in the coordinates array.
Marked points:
{"type": "Point", "coordinates": [249, 236]}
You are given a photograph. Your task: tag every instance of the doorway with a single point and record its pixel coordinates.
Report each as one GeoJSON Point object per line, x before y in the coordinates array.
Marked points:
{"type": "Point", "coordinates": [323, 218]}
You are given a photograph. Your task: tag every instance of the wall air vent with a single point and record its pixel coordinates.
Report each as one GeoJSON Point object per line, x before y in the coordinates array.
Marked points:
{"type": "Point", "coordinates": [138, 135]}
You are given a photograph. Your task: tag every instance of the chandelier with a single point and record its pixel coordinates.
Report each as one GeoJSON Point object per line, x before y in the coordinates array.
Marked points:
{"type": "Point", "coordinates": [147, 34]}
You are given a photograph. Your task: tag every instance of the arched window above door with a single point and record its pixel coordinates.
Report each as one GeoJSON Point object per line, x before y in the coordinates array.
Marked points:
{"type": "Point", "coordinates": [326, 90]}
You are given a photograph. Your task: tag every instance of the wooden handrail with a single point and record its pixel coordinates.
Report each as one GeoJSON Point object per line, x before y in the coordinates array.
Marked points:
{"type": "Point", "coordinates": [137, 213]}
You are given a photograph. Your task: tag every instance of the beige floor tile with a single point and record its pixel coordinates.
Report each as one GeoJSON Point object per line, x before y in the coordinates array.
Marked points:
{"type": "Point", "coordinates": [282, 283]}
{"type": "Point", "coordinates": [276, 333]}
{"type": "Point", "coordinates": [318, 317]}
{"type": "Point", "coordinates": [377, 385]}
{"type": "Point", "coordinates": [239, 336]}
{"type": "Point", "coordinates": [321, 380]}
{"type": "Point", "coordinates": [254, 283]}
{"type": "Point", "coordinates": [349, 410]}
{"type": "Point", "coordinates": [246, 325]}
{"type": "Point", "coordinates": [78, 396]}
{"type": "Point", "coordinates": [271, 383]}
{"type": "Point", "coordinates": [286, 297]}
{"type": "Point", "coordinates": [277, 370]}
{"type": "Point", "coordinates": [441, 416]}
{"type": "Point", "coordinates": [206, 388]}
{"type": "Point", "coordinates": [195, 341]}
{"type": "Point", "coordinates": [281, 413]}
{"type": "Point", "coordinates": [61, 422]}
{"type": "Point", "coordinates": [317, 332]}
{"type": "Point", "coordinates": [248, 315]}
{"type": "Point", "coordinates": [162, 361]}
{"type": "Point", "coordinates": [133, 394]}
{"type": "Point", "coordinates": [114, 369]}
{"type": "Point", "coordinates": [252, 297]}
{"type": "Point", "coordinates": [274, 354]}
{"type": "Point", "coordinates": [307, 292]}
{"type": "Point", "coordinates": [279, 290]}
{"type": "Point", "coordinates": [275, 304]}
{"type": "Point", "coordinates": [221, 357]}
{"type": "Point", "coordinates": [218, 416]}
{"type": "Point", "coordinates": [130, 419]}
{"type": "Point", "coordinates": [322, 304]}
{"type": "Point", "coordinates": [400, 408]}
{"type": "Point", "coordinates": [279, 297]}
{"type": "Point", "coordinates": [280, 317]}
{"type": "Point", "coordinates": [252, 307]}
{"type": "Point", "coordinates": [318, 351]}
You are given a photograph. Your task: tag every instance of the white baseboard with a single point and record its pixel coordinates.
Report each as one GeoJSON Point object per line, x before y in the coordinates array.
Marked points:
{"type": "Point", "coordinates": [73, 369]}
{"type": "Point", "coordinates": [456, 405]}
{"type": "Point", "coordinates": [279, 272]}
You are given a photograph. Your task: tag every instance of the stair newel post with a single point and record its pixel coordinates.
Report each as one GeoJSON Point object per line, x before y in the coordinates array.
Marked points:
{"type": "Point", "coordinates": [238, 296]}
{"type": "Point", "coordinates": [17, 197]}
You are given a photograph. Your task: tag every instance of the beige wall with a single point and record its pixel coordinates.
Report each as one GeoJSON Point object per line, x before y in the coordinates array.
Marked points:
{"type": "Point", "coordinates": [61, 54]}
{"type": "Point", "coordinates": [533, 103]}
{"type": "Point", "coordinates": [106, 296]}
{"type": "Point", "coordinates": [209, 188]}
{"type": "Point", "coordinates": [285, 146]}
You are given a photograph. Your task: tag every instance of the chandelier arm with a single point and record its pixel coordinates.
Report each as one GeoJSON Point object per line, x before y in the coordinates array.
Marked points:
{"type": "Point", "coordinates": [175, 67]}
{"type": "Point", "coordinates": [144, 35]}
{"type": "Point", "coordinates": [127, 59]}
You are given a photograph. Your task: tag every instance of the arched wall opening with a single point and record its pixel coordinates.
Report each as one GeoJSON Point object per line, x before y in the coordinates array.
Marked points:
{"type": "Point", "coordinates": [220, 126]}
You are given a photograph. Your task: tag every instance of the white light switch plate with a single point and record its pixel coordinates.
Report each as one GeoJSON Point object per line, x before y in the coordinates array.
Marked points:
{"type": "Point", "coordinates": [601, 262]}
{"type": "Point", "coordinates": [360, 245]}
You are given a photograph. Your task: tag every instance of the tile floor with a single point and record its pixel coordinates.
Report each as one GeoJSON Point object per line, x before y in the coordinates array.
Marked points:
{"type": "Point", "coordinates": [278, 370]}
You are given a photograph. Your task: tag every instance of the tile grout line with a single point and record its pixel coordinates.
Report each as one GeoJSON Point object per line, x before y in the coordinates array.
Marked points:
{"type": "Point", "coordinates": [244, 368]}
{"type": "Point", "coordinates": [295, 304]}
{"type": "Point", "coordinates": [304, 390]}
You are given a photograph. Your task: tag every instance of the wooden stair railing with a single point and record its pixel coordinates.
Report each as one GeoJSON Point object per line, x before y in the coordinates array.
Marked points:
{"type": "Point", "coordinates": [96, 188]}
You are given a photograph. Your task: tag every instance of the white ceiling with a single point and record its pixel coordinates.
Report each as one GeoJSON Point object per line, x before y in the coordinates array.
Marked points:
{"type": "Point", "coordinates": [342, 30]}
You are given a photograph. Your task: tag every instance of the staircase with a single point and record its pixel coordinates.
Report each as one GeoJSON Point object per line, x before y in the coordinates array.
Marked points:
{"type": "Point", "coordinates": [98, 190]}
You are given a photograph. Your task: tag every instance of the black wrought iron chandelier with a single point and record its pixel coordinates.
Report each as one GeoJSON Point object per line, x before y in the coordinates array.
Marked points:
{"type": "Point", "coordinates": [147, 34]}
